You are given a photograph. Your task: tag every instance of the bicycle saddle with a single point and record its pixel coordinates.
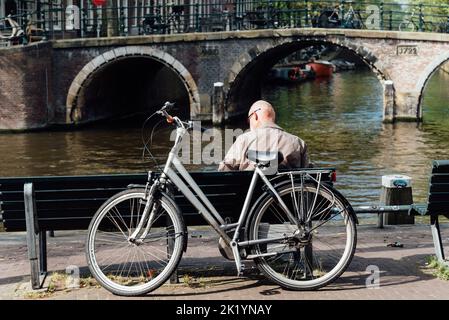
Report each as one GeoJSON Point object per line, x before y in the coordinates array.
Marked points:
{"type": "Point", "coordinates": [264, 157]}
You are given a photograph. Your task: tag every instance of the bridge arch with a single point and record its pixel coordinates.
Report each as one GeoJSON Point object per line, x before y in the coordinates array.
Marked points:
{"type": "Point", "coordinates": [243, 81]}
{"type": "Point", "coordinates": [426, 75]}
{"type": "Point", "coordinates": [152, 58]}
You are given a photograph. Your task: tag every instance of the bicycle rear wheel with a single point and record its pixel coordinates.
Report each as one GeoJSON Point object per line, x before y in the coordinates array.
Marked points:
{"type": "Point", "coordinates": [134, 268]}
{"type": "Point", "coordinates": [311, 258]}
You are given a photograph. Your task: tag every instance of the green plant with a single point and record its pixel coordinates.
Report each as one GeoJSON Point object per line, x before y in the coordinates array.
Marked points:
{"type": "Point", "coordinates": [187, 280]}
{"type": "Point", "coordinates": [439, 269]}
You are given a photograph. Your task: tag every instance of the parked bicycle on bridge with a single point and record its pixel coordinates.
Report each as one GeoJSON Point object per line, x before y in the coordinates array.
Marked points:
{"type": "Point", "coordinates": [261, 18]}
{"type": "Point", "coordinates": [16, 36]}
{"type": "Point", "coordinates": [156, 23]}
{"type": "Point", "coordinates": [411, 23]}
{"type": "Point", "coordinates": [337, 18]}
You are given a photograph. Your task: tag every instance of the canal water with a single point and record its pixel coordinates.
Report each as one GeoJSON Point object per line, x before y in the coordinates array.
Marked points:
{"type": "Point", "coordinates": [340, 119]}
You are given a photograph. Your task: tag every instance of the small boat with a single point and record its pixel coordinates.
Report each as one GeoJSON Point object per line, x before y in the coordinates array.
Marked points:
{"type": "Point", "coordinates": [290, 74]}
{"type": "Point", "coordinates": [322, 68]}
{"type": "Point", "coordinates": [343, 65]}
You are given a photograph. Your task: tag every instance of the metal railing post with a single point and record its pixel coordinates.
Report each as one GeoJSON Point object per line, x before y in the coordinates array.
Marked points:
{"type": "Point", "coordinates": [197, 18]}
{"type": "Point", "coordinates": [390, 20]}
{"type": "Point", "coordinates": [421, 18]}
{"type": "Point", "coordinates": [83, 22]}
{"type": "Point", "coordinates": [306, 3]}
{"type": "Point", "coordinates": [381, 13]}
{"type": "Point", "coordinates": [342, 13]}
{"type": "Point", "coordinates": [447, 25]}
{"type": "Point", "coordinates": [122, 21]}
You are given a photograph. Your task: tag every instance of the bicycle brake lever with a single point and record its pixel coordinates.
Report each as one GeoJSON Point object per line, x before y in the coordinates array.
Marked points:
{"type": "Point", "coordinates": [168, 106]}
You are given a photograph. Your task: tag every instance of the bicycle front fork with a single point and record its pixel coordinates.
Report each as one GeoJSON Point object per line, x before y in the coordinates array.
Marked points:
{"type": "Point", "coordinates": [147, 216]}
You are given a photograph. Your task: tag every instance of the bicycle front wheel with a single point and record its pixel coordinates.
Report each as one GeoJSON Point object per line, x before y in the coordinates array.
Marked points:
{"type": "Point", "coordinates": [133, 268]}
{"type": "Point", "coordinates": [312, 255]}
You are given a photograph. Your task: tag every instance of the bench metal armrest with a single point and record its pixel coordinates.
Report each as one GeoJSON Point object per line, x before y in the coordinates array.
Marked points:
{"type": "Point", "coordinates": [132, 186]}
{"type": "Point", "coordinates": [419, 208]}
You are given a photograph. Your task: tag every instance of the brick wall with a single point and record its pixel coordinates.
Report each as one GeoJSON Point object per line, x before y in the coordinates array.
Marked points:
{"type": "Point", "coordinates": [237, 59]}
{"type": "Point", "coordinates": [25, 75]}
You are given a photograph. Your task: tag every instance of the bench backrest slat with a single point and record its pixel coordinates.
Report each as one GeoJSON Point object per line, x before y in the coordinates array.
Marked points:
{"type": "Point", "coordinates": [66, 203]}
{"type": "Point", "coordinates": [438, 200]}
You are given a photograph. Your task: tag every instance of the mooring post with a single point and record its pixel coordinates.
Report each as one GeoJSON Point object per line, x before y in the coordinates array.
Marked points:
{"type": "Point", "coordinates": [396, 190]}
{"type": "Point", "coordinates": [388, 101]}
{"type": "Point", "coordinates": [218, 104]}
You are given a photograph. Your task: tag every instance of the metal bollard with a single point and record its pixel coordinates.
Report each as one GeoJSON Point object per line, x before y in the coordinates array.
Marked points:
{"type": "Point", "coordinates": [396, 190]}
{"type": "Point", "coordinates": [218, 104]}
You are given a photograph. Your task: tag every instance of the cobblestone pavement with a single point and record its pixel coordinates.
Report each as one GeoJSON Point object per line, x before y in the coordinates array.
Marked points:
{"type": "Point", "coordinates": [403, 274]}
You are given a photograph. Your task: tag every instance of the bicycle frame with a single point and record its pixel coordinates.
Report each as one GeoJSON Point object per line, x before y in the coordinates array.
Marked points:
{"type": "Point", "coordinates": [206, 209]}
{"type": "Point", "coordinates": [175, 171]}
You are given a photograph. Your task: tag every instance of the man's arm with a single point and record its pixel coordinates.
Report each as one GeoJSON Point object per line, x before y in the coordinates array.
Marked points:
{"type": "Point", "coordinates": [305, 157]}
{"type": "Point", "coordinates": [233, 157]}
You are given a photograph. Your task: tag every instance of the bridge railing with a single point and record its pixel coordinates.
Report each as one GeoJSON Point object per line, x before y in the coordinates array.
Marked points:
{"type": "Point", "coordinates": [230, 15]}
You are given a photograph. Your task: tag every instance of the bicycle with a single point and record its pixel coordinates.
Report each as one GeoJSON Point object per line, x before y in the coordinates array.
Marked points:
{"type": "Point", "coordinates": [331, 18]}
{"type": "Point", "coordinates": [352, 19]}
{"type": "Point", "coordinates": [173, 23]}
{"type": "Point", "coordinates": [409, 24]}
{"type": "Point", "coordinates": [261, 18]}
{"type": "Point", "coordinates": [301, 232]}
{"type": "Point", "coordinates": [442, 27]}
{"type": "Point", "coordinates": [17, 35]}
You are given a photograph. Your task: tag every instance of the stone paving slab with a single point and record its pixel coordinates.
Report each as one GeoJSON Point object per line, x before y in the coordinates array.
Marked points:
{"type": "Point", "coordinates": [403, 274]}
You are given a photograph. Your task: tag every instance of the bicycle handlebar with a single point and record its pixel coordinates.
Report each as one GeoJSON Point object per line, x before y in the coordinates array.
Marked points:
{"type": "Point", "coordinates": [175, 120]}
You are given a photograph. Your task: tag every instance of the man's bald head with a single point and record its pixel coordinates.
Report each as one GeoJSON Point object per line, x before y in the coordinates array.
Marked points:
{"type": "Point", "coordinates": [265, 111]}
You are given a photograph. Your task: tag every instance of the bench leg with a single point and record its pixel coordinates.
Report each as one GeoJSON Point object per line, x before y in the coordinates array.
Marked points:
{"type": "Point", "coordinates": [38, 262]}
{"type": "Point", "coordinates": [43, 252]}
{"type": "Point", "coordinates": [436, 234]}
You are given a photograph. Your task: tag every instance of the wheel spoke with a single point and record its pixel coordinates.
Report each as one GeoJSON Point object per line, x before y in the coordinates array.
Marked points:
{"type": "Point", "coordinates": [310, 256]}
{"type": "Point", "coordinates": [127, 267]}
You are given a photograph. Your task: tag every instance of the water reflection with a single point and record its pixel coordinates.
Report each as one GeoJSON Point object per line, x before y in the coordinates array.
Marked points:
{"type": "Point", "coordinates": [340, 118]}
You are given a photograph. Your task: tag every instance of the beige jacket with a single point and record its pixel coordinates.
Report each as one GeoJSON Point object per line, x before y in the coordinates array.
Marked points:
{"type": "Point", "coordinates": [269, 137]}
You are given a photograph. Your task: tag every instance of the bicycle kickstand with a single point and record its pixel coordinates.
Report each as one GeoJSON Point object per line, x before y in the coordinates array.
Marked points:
{"type": "Point", "coordinates": [238, 262]}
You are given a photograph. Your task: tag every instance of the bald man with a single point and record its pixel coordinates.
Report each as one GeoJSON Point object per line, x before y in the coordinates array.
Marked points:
{"type": "Point", "coordinates": [265, 135]}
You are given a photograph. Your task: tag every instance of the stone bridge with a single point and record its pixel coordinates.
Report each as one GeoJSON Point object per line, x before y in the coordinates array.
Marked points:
{"type": "Point", "coordinates": [82, 80]}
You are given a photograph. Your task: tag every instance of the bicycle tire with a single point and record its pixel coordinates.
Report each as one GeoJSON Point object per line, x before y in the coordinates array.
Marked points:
{"type": "Point", "coordinates": [255, 228]}
{"type": "Point", "coordinates": [117, 283]}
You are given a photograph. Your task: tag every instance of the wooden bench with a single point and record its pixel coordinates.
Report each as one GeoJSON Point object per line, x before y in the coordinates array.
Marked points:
{"type": "Point", "coordinates": [437, 203]}
{"type": "Point", "coordinates": [39, 204]}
